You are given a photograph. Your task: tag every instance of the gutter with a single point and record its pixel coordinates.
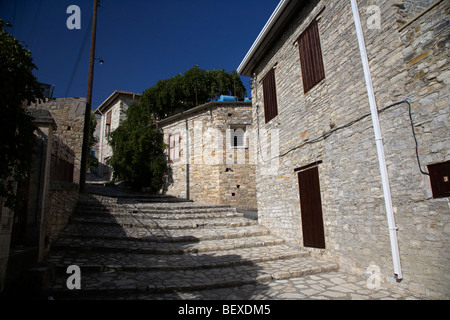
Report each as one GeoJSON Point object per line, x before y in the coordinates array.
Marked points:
{"type": "Point", "coordinates": [379, 142]}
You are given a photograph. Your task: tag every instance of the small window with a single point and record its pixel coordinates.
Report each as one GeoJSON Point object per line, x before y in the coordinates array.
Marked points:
{"type": "Point", "coordinates": [174, 147]}
{"type": "Point", "coordinates": [270, 96]}
{"type": "Point", "coordinates": [440, 179]}
{"type": "Point", "coordinates": [311, 57]}
{"type": "Point", "coordinates": [238, 137]}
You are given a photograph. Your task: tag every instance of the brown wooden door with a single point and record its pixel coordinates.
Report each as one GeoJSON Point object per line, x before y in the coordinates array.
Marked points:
{"type": "Point", "coordinates": [311, 208]}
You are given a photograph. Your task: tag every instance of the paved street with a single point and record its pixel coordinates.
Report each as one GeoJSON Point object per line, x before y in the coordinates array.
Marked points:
{"type": "Point", "coordinates": [129, 246]}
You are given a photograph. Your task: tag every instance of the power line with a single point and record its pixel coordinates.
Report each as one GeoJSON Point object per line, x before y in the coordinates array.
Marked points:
{"type": "Point", "coordinates": [35, 22]}
{"type": "Point", "coordinates": [80, 53]}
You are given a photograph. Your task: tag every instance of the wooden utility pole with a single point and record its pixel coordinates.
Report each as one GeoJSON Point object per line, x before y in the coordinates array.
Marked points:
{"type": "Point", "coordinates": [87, 112]}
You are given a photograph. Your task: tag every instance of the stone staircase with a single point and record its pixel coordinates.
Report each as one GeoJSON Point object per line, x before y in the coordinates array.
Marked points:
{"type": "Point", "coordinates": [128, 247]}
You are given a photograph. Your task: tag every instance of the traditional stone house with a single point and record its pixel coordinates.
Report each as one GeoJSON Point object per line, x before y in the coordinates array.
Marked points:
{"type": "Point", "coordinates": [209, 154]}
{"type": "Point", "coordinates": [322, 188]}
{"type": "Point", "coordinates": [112, 113]}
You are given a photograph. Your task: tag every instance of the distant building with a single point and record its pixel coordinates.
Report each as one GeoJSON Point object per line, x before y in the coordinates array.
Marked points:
{"type": "Point", "coordinates": [112, 113]}
{"type": "Point", "coordinates": [324, 193]}
{"type": "Point", "coordinates": [209, 154]}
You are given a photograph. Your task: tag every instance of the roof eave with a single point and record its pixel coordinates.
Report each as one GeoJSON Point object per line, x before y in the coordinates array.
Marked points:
{"type": "Point", "coordinates": [108, 100]}
{"type": "Point", "coordinates": [267, 36]}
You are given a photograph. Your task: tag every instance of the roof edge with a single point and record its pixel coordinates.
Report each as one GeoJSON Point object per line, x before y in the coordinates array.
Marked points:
{"type": "Point", "coordinates": [275, 15]}
{"type": "Point", "coordinates": [113, 95]}
{"type": "Point", "coordinates": [204, 106]}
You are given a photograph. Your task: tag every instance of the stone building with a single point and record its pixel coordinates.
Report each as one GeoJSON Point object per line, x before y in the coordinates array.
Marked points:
{"type": "Point", "coordinates": [322, 189]}
{"type": "Point", "coordinates": [112, 113]}
{"type": "Point", "coordinates": [48, 198]}
{"type": "Point", "coordinates": [209, 154]}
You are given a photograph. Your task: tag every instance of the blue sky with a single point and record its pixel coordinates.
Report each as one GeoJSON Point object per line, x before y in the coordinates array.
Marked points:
{"type": "Point", "coordinates": [141, 41]}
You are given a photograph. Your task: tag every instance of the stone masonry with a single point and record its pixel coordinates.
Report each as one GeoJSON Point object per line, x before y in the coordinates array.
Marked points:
{"type": "Point", "coordinates": [207, 167]}
{"type": "Point", "coordinates": [408, 59]}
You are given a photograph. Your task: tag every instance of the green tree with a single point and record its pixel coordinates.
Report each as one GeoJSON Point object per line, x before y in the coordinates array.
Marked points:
{"type": "Point", "coordinates": [196, 86]}
{"type": "Point", "coordinates": [91, 161]}
{"type": "Point", "coordinates": [138, 148]}
{"type": "Point", "coordinates": [18, 87]}
{"type": "Point", "coordinates": [138, 152]}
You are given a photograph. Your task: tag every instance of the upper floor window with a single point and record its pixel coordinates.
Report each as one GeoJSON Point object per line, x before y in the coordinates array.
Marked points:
{"type": "Point", "coordinates": [270, 96]}
{"type": "Point", "coordinates": [108, 124]}
{"type": "Point", "coordinates": [311, 57]}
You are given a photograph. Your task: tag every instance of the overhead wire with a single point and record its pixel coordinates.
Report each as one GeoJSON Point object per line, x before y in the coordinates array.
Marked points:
{"type": "Point", "coordinates": [347, 125]}
{"type": "Point", "coordinates": [80, 54]}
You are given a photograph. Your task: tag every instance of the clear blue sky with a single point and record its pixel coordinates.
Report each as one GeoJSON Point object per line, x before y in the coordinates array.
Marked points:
{"type": "Point", "coordinates": [141, 41]}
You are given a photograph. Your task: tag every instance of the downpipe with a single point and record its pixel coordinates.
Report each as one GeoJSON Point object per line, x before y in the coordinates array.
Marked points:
{"type": "Point", "coordinates": [379, 142]}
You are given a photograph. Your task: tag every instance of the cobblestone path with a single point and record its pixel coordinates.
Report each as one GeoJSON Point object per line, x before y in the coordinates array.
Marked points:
{"type": "Point", "coordinates": [163, 248]}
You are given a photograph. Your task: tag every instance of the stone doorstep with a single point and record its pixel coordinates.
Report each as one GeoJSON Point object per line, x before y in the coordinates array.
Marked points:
{"type": "Point", "coordinates": [117, 283]}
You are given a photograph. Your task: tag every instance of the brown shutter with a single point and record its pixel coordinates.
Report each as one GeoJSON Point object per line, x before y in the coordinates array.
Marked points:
{"type": "Point", "coordinates": [311, 57]}
{"type": "Point", "coordinates": [440, 179]}
{"type": "Point", "coordinates": [270, 96]}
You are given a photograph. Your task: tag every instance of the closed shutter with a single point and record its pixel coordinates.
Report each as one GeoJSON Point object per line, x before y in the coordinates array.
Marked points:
{"type": "Point", "coordinates": [270, 96]}
{"type": "Point", "coordinates": [174, 147]}
{"type": "Point", "coordinates": [311, 57]}
{"type": "Point", "coordinates": [440, 179]}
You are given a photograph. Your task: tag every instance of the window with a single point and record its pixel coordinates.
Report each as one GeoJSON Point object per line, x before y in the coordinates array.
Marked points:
{"type": "Point", "coordinates": [311, 57]}
{"type": "Point", "coordinates": [108, 124]}
{"type": "Point", "coordinates": [270, 96]}
{"type": "Point", "coordinates": [174, 147]}
{"type": "Point", "coordinates": [440, 179]}
{"type": "Point", "coordinates": [238, 137]}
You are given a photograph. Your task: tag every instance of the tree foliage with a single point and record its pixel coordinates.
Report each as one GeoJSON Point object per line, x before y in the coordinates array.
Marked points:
{"type": "Point", "coordinates": [195, 87]}
{"type": "Point", "coordinates": [138, 147]}
{"type": "Point", "coordinates": [138, 153]}
{"type": "Point", "coordinates": [91, 160]}
{"type": "Point", "coordinates": [18, 86]}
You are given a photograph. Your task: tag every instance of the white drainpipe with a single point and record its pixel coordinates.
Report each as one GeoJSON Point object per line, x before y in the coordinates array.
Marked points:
{"type": "Point", "coordinates": [379, 141]}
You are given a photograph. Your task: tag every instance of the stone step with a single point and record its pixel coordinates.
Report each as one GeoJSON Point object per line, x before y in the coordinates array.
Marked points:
{"type": "Point", "coordinates": [147, 210]}
{"type": "Point", "coordinates": [160, 215]}
{"type": "Point", "coordinates": [108, 261]}
{"type": "Point", "coordinates": [116, 232]}
{"type": "Point", "coordinates": [140, 222]}
{"type": "Point", "coordinates": [112, 282]}
{"type": "Point", "coordinates": [189, 246]}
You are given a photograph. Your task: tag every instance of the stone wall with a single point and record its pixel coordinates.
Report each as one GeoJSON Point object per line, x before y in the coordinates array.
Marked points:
{"type": "Point", "coordinates": [68, 114]}
{"type": "Point", "coordinates": [209, 171]}
{"type": "Point", "coordinates": [408, 65]}
{"type": "Point", "coordinates": [6, 223]}
{"type": "Point", "coordinates": [63, 199]}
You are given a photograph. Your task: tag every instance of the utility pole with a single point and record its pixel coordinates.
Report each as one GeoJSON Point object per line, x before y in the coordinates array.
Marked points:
{"type": "Point", "coordinates": [87, 112]}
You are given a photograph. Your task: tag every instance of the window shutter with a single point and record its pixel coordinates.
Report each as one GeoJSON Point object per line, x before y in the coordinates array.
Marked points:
{"type": "Point", "coordinates": [171, 145]}
{"type": "Point", "coordinates": [270, 96]}
{"type": "Point", "coordinates": [311, 57]}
